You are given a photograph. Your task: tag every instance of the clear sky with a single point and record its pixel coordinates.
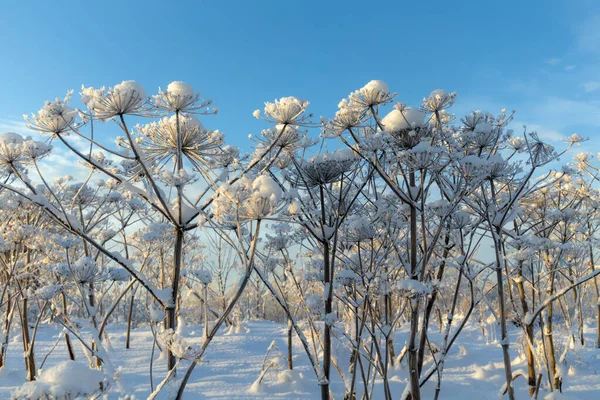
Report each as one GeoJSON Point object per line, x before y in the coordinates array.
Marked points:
{"type": "Point", "coordinates": [541, 58]}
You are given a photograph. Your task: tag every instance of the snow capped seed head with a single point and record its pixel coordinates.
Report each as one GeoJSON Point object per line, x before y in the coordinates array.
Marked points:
{"type": "Point", "coordinates": [346, 277]}
{"type": "Point", "coordinates": [11, 137]}
{"type": "Point", "coordinates": [265, 187]}
{"type": "Point", "coordinates": [247, 199]}
{"type": "Point", "coordinates": [483, 127]}
{"type": "Point", "coordinates": [583, 160]}
{"type": "Point", "coordinates": [10, 149]}
{"type": "Point", "coordinates": [401, 119]}
{"type": "Point", "coordinates": [85, 270]}
{"type": "Point", "coordinates": [161, 140]}
{"type": "Point", "coordinates": [359, 228]}
{"type": "Point", "coordinates": [373, 93]}
{"type": "Point", "coordinates": [14, 149]}
{"type": "Point", "coordinates": [460, 219]}
{"type": "Point", "coordinates": [54, 117]}
{"type": "Point", "coordinates": [440, 208]}
{"type": "Point", "coordinates": [287, 110]}
{"type": "Point", "coordinates": [438, 100]}
{"type": "Point", "coordinates": [179, 88]}
{"type": "Point", "coordinates": [288, 138]}
{"type": "Point", "coordinates": [48, 292]}
{"type": "Point", "coordinates": [518, 143]}
{"type": "Point", "coordinates": [180, 96]}
{"type": "Point", "coordinates": [326, 168]}
{"type": "Point", "coordinates": [265, 197]}
{"type": "Point", "coordinates": [126, 97]}
{"type": "Point", "coordinates": [313, 302]}
{"type": "Point", "coordinates": [203, 275]}
{"type": "Point", "coordinates": [128, 89]}
{"type": "Point", "coordinates": [412, 288]}
{"type": "Point", "coordinates": [34, 150]}
{"type": "Point", "coordinates": [91, 96]}
{"type": "Point", "coordinates": [118, 274]}
{"type": "Point", "coordinates": [347, 117]}
{"type": "Point", "coordinates": [470, 121]}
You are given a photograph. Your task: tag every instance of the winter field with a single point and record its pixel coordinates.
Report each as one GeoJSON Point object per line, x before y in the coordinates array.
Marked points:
{"type": "Point", "coordinates": [385, 252]}
{"type": "Point", "coordinates": [474, 368]}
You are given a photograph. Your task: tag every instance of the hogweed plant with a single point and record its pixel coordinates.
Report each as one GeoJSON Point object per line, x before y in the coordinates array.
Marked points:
{"type": "Point", "coordinates": [356, 230]}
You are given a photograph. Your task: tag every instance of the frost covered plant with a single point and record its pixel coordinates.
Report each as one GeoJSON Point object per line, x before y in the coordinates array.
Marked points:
{"type": "Point", "coordinates": [406, 125]}
{"type": "Point", "coordinates": [359, 228]}
{"type": "Point", "coordinates": [180, 346]}
{"type": "Point", "coordinates": [48, 292]}
{"type": "Point", "coordinates": [16, 150]}
{"type": "Point", "coordinates": [181, 97]}
{"type": "Point", "coordinates": [281, 238]}
{"type": "Point", "coordinates": [248, 199]}
{"type": "Point", "coordinates": [438, 100]}
{"type": "Point", "coordinates": [127, 97]}
{"type": "Point", "coordinates": [347, 117]}
{"type": "Point", "coordinates": [287, 111]}
{"type": "Point", "coordinates": [353, 112]}
{"type": "Point", "coordinates": [165, 139]}
{"type": "Point", "coordinates": [422, 156]}
{"type": "Point", "coordinates": [11, 146]}
{"type": "Point", "coordinates": [540, 153]}
{"type": "Point", "coordinates": [518, 144]}
{"type": "Point", "coordinates": [54, 118]}
{"type": "Point", "coordinates": [325, 168]}
{"type": "Point", "coordinates": [34, 150]}
{"type": "Point", "coordinates": [284, 138]}
{"type": "Point", "coordinates": [84, 270]}
{"type": "Point", "coordinates": [204, 276]}
{"type": "Point", "coordinates": [374, 93]}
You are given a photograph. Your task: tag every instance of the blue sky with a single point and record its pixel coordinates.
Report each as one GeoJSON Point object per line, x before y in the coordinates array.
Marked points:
{"type": "Point", "coordinates": [541, 58]}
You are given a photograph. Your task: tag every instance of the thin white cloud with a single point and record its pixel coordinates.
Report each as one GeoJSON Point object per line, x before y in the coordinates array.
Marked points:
{"type": "Point", "coordinates": [561, 112]}
{"type": "Point", "coordinates": [543, 132]}
{"type": "Point", "coordinates": [588, 39]}
{"type": "Point", "coordinates": [591, 86]}
{"type": "Point", "coordinates": [553, 61]}
{"type": "Point", "coordinates": [569, 67]}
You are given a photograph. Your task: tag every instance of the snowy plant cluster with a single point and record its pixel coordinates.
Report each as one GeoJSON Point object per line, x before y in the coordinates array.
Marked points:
{"type": "Point", "coordinates": [347, 230]}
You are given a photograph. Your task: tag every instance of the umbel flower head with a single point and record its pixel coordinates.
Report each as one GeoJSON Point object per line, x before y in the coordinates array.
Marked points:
{"type": "Point", "coordinates": [10, 149]}
{"type": "Point", "coordinates": [359, 228]}
{"type": "Point", "coordinates": [282, 138]}
{"type": "Point", "coordinates": [540, 153]}
{"type": "Point", "coordinates": [34, 150]}
{"type": "Point", "coordinates": [125, 98]}
{"type": "Point", "coordinates": [374, 93]}
{"type": "Point", "coordinates": [162, 140]}
{"type": "Point", "coordinates": [54, 118]}
{"type": "Point", "coordinates": [406, 125]}
{"type": "Point", "coordinates": [347, 117]}
{"type": "Point", "coordinates": [15, 150]}
{"type": "Point", "coordinates": [180, 97]}
{"type": "Point", "coordinates": [247, 199]}
{"type": "Point", "coordinates": [438, 100]}
{"type": "Point", "coordinates": [325, 168]}
{"type": "Point", "coordinates": [84, 270]}
{"type": "Point", "coordinates": [287, 110]}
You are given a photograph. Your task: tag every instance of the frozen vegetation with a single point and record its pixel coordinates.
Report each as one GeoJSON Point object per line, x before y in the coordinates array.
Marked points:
{"type": "Point", "coordinates": [387, 252]}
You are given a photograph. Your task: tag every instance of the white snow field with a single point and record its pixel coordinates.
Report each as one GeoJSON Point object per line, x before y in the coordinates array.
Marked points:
{"type": "Point", "coordinates": [474, 368]}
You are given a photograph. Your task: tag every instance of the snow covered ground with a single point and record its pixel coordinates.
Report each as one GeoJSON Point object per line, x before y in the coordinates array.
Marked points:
{"type": "Point", "coordinates": [474, 369]}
